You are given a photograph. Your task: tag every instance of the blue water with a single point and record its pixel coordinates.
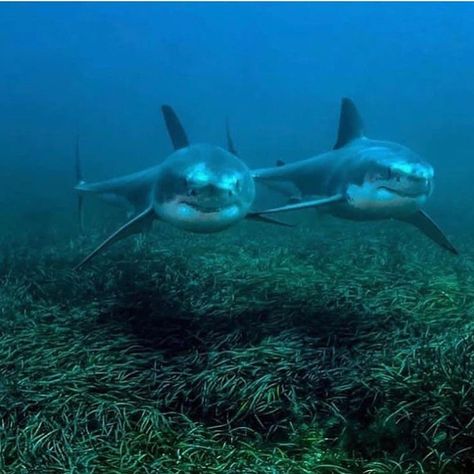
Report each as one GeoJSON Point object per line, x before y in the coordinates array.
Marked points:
{"type": "Point", "coordinates": [277, 71]}
{"type": "Point", "coordinates": [258, 349]}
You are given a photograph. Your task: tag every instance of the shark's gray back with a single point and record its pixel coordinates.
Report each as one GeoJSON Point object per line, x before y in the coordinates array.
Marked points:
{"type": "Point", "coordinates": [133, 191]}
{"type": "Point", "coordinates": [330, 173]}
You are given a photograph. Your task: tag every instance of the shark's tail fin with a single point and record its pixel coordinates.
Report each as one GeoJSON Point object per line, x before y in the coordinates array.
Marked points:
{"type": "Point", "coordinates": [79, 180]}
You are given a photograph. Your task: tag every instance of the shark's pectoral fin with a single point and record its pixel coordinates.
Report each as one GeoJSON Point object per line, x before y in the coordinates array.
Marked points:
{"type": "Point", "coordinates": [256, 216]}
{"type": "Point", "coordinates": [261, 215]}
{"type": "Point", "coordinates": [329, 201]}
{"type": "Point", "coordinates": [423, 222]}
{"type": "Point", "coordinates": [138, 224]}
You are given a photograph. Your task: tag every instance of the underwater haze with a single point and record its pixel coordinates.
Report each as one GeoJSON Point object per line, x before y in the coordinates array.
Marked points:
{"type": "Point", "coordinates": [277, 71]}
{"type": "Point", "coordinates": [330, 347]}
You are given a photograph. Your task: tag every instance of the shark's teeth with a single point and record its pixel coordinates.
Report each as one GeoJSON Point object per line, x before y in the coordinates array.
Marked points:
{"type": "Point", "coordinates": [206, 210]}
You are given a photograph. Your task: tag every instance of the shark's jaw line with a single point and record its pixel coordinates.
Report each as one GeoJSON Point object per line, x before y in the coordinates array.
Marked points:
{"type": "Point", "coordinates": [374, 201]}
{"type": "Point", "coordinates": [203, 209]}
{"type": "Point", "coordinates": [386, 192]}
{"type": "Point", "coordinates": [200, 211]}
{"type": "Point", "coordinates": [404, 194]}
{"type": "Point", "coordinates": [194, 218]}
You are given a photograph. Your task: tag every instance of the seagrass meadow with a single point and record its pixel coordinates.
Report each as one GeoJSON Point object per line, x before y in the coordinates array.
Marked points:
{"type": "Point", "coordinates": [326, 348]}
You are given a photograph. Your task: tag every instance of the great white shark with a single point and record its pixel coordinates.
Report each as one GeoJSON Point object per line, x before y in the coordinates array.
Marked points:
{"type": "Point", "coordinates": [361, 179]}
{"type": "Point", "coordinates": [198, 188]}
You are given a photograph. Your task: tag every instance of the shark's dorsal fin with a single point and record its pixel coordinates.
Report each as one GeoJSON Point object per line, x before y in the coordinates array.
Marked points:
{"type": "Point", "coordinates": [137, 224]}
{"type": "Point", "coordinates": [230, 142]}
{"type": "Point", "coordinates": [350, 124]}
{"type": "Point", "coordinates": [280, 163]}
{"type": "Point", "coordinates": [175, 129]}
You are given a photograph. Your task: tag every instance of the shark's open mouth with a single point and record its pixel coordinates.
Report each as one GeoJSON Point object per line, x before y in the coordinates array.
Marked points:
{"type": "Point", "coordinates": [204, 209]}
{"type": "Point", "coordinates": [405, 194]}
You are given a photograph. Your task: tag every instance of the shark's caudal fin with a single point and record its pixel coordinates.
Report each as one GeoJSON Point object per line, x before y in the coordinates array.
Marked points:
{"type": "Point", "coordinates": [350, 124]}
{"type": "Point", "coordinates": [175, 129]}
{"type": "Point", "coordinates": [79, 180]}
{"type": "Point", "coordinates": [138, 224]}
{"type": "Point", "coordinates": [230, 142]}
{"type": "Point", "coordinates": [423, 222]}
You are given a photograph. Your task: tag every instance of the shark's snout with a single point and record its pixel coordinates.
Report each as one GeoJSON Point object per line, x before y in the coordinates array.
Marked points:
{"type": "Point", "coordinates": [212, 195]}
{"type": "Point", "coordinates": [214, 189]}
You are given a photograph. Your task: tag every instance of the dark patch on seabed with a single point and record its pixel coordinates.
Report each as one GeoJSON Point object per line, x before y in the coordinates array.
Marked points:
{"type": "Point", "coordinates": [315, 349]}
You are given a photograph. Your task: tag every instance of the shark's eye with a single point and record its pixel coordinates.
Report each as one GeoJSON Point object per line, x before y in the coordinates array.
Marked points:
{"type": "Point", "coordinates": [385, 174]}
{"type": "Point", "coordinates": [381, 174]}
{"type": "Point", "coordinates": [377, 175]}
